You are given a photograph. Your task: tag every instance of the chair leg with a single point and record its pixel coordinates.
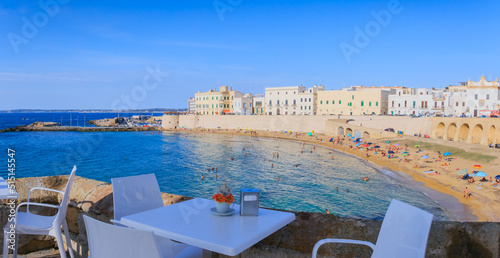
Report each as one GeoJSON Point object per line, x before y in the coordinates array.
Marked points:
{"type": "Point", "coordinates": [16, 245]}
{"type": "Point", "coordinates": [5, 244]}
{"type": "Point", "coordinates": [60, 243]}
{"type": "Point", "coordinates": [68, 240]}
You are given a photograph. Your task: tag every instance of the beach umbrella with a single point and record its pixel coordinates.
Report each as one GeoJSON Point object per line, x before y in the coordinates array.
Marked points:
{"type": "Point", "coordinates": [497, 177]}
{"type": "Point", "coordinates": [480, 173]}
{"type": "Point", "coordinates": [366, 145]}
{"type": "Point", "coordinates": [390, 152]}
{"type": "Point", "coordinates": [376, 147]}
{"type": "Point", "coordinates": [357, 144]}
{"type": "Point", "coordinates": [416, 146]}
{"type": "Point", "coordinates": [353, 137]}
{"type": "Point", "coordinates": [477, 166]}
{"type": "Point", "coordinates": [349, 134]}
{"type": "Point", "coordinates": [404, 154]}
{"type": "Point", "coordinates": [425, 157]}
{"type": "Point", "coordinates": [369, 143]}
{"type": "Point", "coordinates": [309, 133]}
{"type": "Point", "coordinates": [462, 171]}
{"type": "Point", "coordinates": [397, 144]}
{"type": "Point", "coordinates": [388, 142]}
{"type": "Point", "coordinates": [446, 154]}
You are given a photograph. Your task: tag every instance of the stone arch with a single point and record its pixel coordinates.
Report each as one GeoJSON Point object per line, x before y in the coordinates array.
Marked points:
{"type": "Point", "coordinates": [440, 130]}
{"type": "Point", "coordinates": [452, 130]}
{"type": "Point", "coordinates": [340, 131]}
{"type": "Point", "coordinates": [357, 133]}
{"type": "Point", "coordinates": [348, 131]}
{"type": "Point", "coordinates": [477, 133]}
{"type": "Point", "coordinates": [278, 111]}
{"type": "Point", "coordinates": [491, 135]}
{"type": "Point", "coordinates": [366, 134]}
{"type": "Point", "coordinates": [463, 132]}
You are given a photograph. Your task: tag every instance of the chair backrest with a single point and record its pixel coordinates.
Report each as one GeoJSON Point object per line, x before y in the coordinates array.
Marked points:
{"type": "Point", "coordinates": [61, 215]}
{"type": "Point", "coordinates": [404, 232]}
{"type": "Point", "coordinates": [106, 240]}
{"type": "Point", "coordinates": [135, 194]}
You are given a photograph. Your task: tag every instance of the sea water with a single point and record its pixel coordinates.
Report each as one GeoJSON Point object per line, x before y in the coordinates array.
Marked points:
{"type": "Point", "coordinates": [307, 181]}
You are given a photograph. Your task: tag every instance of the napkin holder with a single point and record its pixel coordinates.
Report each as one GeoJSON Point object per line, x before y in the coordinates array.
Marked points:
{"type": "Point", "coordinates": [249, 202]}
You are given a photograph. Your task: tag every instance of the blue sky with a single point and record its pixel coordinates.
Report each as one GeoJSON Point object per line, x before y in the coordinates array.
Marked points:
{"type": "Point", "coordinates": [95, 54]}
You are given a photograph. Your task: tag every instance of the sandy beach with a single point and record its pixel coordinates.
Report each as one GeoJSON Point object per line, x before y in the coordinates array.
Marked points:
{"type": "Point", "coordinates": [484, 197]}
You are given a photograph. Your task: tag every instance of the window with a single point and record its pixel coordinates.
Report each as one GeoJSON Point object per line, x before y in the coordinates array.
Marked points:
{"type": "Point", "coordinates": [475, 96]}
{"type": "Point", "coordinates": [340, 102]}
{"type": "Point", "coordinates": [393, 103]}
{"type": "Point", "coordinates": [217, 98]}
{"type": "Point", "coordinates": [413, 106]}
{"type": "Point", "coordinates": [362, 103]}
{"type": "Point", "coordinates": [300, 107]}
{"type": "Point", "coordinates": [286, 102]}
{"type": "Point", "coordinates": [376, 103]}
{"type": "Point", "coordinates": [333, 102]}
{"type": "Point", "coordinates": [405, 103]}
{"type": "Point", "coordinates": [399, 104]}
{"type": "Point", "coordinates": [295, 102]}
{"type": "Point", "coordinates": [487, 96]}
{"type": "Point", "coordinates": [327, 102]}
{"type": "Point", "coordinates": [270, 102]}
{"type": "Point", "coordinates": [370, 104]}
{"type": "Point", "coordinates": [212, 98]}
{"type": "Point", "coordinates": [352, 96]}
{"type": "Point", "coordinates": [300, 99]}
{"type": "Point", "coordinates": [277, 102]}
{"type": "Point", "coordinates": [463, 104]}
{"type": "Point", "coordinates": [309, 107]}
{"type": "Point", "coordinates": [456, 104]}
{"type": "Point", "coordinates": [286, 92]}
{"type": "Point", "coordinates": [321, 102]}
{"type": "Point", "coordinates": [309, 99]}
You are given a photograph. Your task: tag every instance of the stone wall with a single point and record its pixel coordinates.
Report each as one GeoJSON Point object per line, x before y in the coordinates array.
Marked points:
{"type": "Point", "coordinates": [95, 199]}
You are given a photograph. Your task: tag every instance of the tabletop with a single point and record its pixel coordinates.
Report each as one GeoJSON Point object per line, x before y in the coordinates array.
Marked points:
{"type": "Point", "coordinates": [6, 192]}
{"type": "Point", "coordinates": [193, 223]}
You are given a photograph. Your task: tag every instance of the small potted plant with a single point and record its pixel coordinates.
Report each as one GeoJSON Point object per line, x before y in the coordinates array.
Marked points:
{"type": "Point", "coordinates": [223, 198]}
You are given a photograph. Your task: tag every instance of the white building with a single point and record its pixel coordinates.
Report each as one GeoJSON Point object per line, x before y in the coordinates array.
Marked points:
{"type": "Point", "coordinates": [282, 100]}
{"type": "Point", "coordinates": [243, 104]}
{"type": "Point", "coordinates": [455, 101]}
{"type": "Point", "coordinates": [259, 104]}
{"type": "Point", "coordinates": [308, 101]}
{"type": "Point", "coordinates": [418, 102]}
{"type": "Point", "coordinates": [191, 105]}
{"type": "Point", "coordinates": [482, 95]}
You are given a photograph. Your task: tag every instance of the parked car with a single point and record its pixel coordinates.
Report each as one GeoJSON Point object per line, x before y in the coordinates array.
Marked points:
{"type": "Point", "coordinates": [389, 130]}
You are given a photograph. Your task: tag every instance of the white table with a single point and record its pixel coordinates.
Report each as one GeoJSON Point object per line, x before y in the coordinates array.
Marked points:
{"type": "Point", "coordinates": [6, 192]}
{"type": "Point", "coordinates": [191, 222]}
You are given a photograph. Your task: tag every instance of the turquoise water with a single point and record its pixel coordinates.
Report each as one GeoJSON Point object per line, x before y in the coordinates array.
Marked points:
{"type": "Point", "coordinates": [179, 160]}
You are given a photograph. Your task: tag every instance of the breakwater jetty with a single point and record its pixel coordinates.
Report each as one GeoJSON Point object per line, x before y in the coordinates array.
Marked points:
{"type": "Point", "coordinates": [79, 129]}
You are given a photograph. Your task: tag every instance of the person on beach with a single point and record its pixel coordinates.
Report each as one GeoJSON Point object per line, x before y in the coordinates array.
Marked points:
{"type": "Point", "coordinates": [327, 211]}
{"type": "Point", "coordinates": [466, 193]}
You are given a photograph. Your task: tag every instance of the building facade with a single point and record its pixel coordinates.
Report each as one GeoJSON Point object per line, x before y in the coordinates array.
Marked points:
{"type": "Point", "coordinates": [191, 105]}
{"type": "Point", "coordinates": [417, 102]}
{"type": "Point", "coordinates": [243, 104]}
{"type": "Point", "coordinates": [482, 96]}
{"type": "Point", "coordinates": [258, 104]}
{"type": "Point", "coordinates": [282, 100]}
{"type": "Point", "coordinates": [353, 102]}
{"type": "Point", "coordinates": [216, 102]}
{"type": "Point", "coordinates": [308, 100]}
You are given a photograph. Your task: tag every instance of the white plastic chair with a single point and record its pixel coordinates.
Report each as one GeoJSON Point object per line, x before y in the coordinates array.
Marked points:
{"type": "Point", "coordinates": [31, 224]}
{"type": "Point", "coordinates": [106, 240]}
{"type": "Point", "coordinates": [404, 233]}
{"type": "Point", "coordinates": [136, 194]}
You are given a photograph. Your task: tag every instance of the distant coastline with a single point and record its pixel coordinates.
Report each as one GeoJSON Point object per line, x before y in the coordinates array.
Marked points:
{"type": "Point", "coordinates": [151, 110]}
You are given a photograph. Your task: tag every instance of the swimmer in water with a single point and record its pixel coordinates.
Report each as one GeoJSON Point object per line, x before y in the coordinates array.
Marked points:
{"type": "Point", "coordinates": [278, 178]}
{"type": "Point", "coordinates": [201, 176]}
{"type": "Point", "coordinates": [337, 189]}
{"type": "Point", "coordinates": [366, 179]}
{"type": "Point", "coordinates": [347, 190]}
{"type": "Point", "coordinates": [272, 165]}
